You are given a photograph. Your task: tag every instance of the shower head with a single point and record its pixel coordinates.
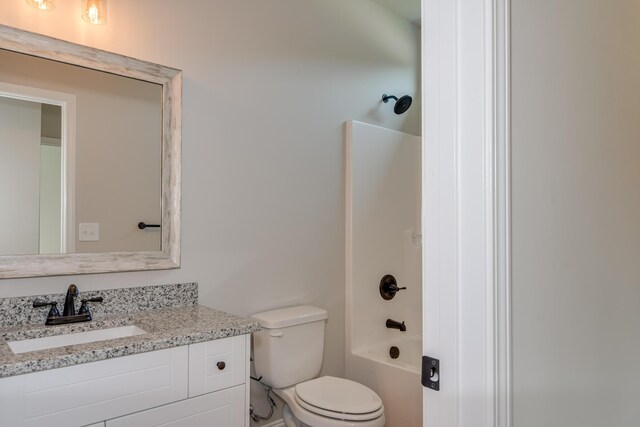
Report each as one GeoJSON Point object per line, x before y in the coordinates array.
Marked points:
{"type": "Point", "coordinates": [402, 104]}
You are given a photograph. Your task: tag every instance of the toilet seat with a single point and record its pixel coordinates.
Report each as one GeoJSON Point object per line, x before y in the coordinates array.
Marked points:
{"type": "Point", "coordinates": [313, 415]}
{"type": "Point", "coordinates": [340, 415]}
{"type": "Point", "coordinates": [339, 398]}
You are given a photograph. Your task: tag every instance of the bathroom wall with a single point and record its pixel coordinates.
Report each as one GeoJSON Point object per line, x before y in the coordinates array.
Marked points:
{"type": "Point", "coordinates": [267, 88]}
{"type": "Point", "coordinates": [575, 212]}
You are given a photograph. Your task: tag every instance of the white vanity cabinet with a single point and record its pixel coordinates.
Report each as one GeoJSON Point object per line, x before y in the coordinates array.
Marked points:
{"type": "Point", "coordinates": [214, 365]}
{"type": "Point", "coordinates": [224, 408]}
{"type": "Point", "coordinates": [181, 386]}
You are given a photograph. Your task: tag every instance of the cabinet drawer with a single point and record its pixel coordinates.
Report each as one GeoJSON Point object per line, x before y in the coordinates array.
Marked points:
{"type": "Point", "coordinates": [218, 364]}
{"type": "Point", "coordinates": [92, 392]}
{"type": "Point", "coordinates": [225, 408]}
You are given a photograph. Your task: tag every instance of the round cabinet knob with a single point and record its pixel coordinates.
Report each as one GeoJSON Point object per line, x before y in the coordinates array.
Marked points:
{"type": "Point", "coordinates": [221, 365]}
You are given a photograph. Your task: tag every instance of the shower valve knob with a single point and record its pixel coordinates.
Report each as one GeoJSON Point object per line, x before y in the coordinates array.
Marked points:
{"type": "Point", "coordinates": [389, 287]}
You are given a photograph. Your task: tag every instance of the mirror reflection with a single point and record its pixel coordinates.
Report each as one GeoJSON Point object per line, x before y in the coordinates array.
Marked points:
{"type": "Point", "coordinates": [30, 177]}
{"type": "Point", "coordinates": [80, 159]}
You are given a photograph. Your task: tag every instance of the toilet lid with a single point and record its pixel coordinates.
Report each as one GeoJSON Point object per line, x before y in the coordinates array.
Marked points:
{"type": "Point", "coordinates": [340, 396]}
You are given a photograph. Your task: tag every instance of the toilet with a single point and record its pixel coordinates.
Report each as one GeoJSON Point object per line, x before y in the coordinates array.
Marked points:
{"type": "Point", "coordinates": [288, 352]}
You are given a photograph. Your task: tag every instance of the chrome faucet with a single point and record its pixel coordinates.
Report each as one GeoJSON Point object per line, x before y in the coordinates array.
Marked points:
{"type": "Point", "coordinates": [394, 324]}
{"type": "Point", "coordinates": [69, 313]}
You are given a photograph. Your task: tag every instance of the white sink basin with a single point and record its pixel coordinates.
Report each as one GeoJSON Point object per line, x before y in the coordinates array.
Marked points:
{"type": "Point", "coordinates": [45, 343]}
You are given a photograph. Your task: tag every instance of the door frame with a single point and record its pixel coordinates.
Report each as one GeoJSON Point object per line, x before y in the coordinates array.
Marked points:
{"type": "Point", "coordinates": [466, 211]}
{"type": "Point", "coordinates": [67, 104]}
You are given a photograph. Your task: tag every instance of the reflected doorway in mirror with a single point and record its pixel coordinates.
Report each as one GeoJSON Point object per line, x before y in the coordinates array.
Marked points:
{"type": "Point", "coordinates": [37, 177]}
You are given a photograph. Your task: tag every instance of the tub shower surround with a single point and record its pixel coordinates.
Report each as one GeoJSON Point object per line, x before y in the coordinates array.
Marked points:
{"type": "Point", "coordinates": [383, 240]}
{"type": "Point", "coordinates": [169, 314]}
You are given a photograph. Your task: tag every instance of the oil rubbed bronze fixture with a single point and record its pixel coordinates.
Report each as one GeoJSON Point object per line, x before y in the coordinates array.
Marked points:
{"type": "Point", "coordinates": [394, 352]}
{"type": "Point", "coordinates": [394, 324]}
{"type": "Point", "coordinates": [143, 225]}
{"type": "Point", "coordinates": [389, 287]}
{"type": "Point", "coordinates": [402, 104]}
{"type": "Point", "coordinates": [69, 313]}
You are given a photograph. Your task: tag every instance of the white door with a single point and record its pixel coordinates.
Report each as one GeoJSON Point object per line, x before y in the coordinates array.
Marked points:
{"type": "Point", "coordinates": [51, 197]}
{"type": "Point", "coordinates": [19, 176]}
{"type": "Point", "coordinates": [37, 170]}
{"type": "Point", "coordinates": [532, 284]}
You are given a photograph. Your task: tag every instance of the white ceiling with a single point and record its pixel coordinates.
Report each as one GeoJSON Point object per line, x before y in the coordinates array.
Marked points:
{"type": "Point", "coordinates": [409, 9]}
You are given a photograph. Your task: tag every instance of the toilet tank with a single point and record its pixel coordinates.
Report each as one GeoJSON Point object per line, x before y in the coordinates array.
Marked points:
{"type": "Point", "coordinates": [289, 347]}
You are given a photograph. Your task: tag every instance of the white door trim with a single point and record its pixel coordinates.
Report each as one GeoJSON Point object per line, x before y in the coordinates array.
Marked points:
{"type": "Point", "coordinates": [502, 212]}
{"type": "Point", "coordinates": [466, 315]}
{"type": "Point", "coordinates": [439, 207]}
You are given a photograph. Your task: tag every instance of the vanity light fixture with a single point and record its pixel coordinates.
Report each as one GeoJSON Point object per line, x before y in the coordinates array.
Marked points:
{"type": "Point", "coordinates": [94, 11]}
{"type": "Point", "coordinates": [42, 4]}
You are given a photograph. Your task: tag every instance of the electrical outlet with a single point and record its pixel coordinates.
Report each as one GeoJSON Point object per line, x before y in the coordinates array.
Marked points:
{"type": "Point", "coordinates": [89, 232]}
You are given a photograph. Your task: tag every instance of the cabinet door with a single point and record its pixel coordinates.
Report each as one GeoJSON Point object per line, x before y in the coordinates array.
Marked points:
{"type": "Point", "coordinates": [224, 408]}
{"type": "Point", "coordinates": [218, 364]}
{"type": "Point", "coordinates": [92, 392]}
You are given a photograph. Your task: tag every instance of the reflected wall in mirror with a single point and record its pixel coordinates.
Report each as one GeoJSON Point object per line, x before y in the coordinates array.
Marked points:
{"type": "Point", "coordinates": [89, 148]}
{"type": "Point", "coordinates": [105, 168]}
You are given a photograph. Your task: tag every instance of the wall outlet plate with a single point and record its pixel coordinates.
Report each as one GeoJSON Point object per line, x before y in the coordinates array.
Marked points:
{"type": "Point", "coordinates": [89, 232]}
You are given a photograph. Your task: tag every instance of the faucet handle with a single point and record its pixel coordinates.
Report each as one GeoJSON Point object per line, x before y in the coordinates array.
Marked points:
{"type": "Point", "coordinates": [389, 287]}
{"type": "Point", "coordinates": [84, 308]}
{"type": "Point", "coordinates": [53, 312]}
{"type": "Point", "coordinates": [94, 299]}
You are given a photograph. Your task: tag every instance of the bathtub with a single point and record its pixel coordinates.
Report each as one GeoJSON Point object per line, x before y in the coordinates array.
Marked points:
{"type": "Point", "coordinates": [410, 354]}
{"type": "Point", "coordinates": [397, 381]}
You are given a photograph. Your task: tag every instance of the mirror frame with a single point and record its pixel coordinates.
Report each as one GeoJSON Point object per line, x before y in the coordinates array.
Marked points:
{"type": "Point", "coordinates": [15, 266]}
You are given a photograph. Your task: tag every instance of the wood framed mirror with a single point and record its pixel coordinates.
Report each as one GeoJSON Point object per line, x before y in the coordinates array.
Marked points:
{"type": "Point", "coordinates": [90, 159]}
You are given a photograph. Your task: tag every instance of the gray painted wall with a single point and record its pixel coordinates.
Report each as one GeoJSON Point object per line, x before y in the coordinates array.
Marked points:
{"type": "Point", "coordinates": [576, 210]}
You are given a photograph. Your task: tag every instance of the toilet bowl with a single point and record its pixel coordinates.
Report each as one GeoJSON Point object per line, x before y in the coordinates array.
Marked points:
{"type": "Point", "coordinates": [288, 353]}
{"type": "Point", "coordinates": [331, 402]}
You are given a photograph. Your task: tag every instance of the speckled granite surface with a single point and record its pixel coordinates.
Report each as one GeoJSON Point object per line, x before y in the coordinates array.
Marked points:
{"type": "Point", "coordinates": [20, 311]}
{"type": "Point", "coordinates": [166, 328]}
{"type": "Point", "coordinates": [168, 313]}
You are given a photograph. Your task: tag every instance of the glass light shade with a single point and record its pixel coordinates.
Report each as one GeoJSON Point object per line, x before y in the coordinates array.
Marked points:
{"type": "Point", "coordinates": [94, 11]}
{"type": "Point", "coordinates": [42, 4]}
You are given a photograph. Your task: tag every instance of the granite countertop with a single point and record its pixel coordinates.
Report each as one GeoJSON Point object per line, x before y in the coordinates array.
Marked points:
{"type": "Point", "coordinates": [166, 328]}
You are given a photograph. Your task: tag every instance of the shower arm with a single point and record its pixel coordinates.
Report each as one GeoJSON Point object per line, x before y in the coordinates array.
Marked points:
{"type": "Point", "coordinates": [386, 98]}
